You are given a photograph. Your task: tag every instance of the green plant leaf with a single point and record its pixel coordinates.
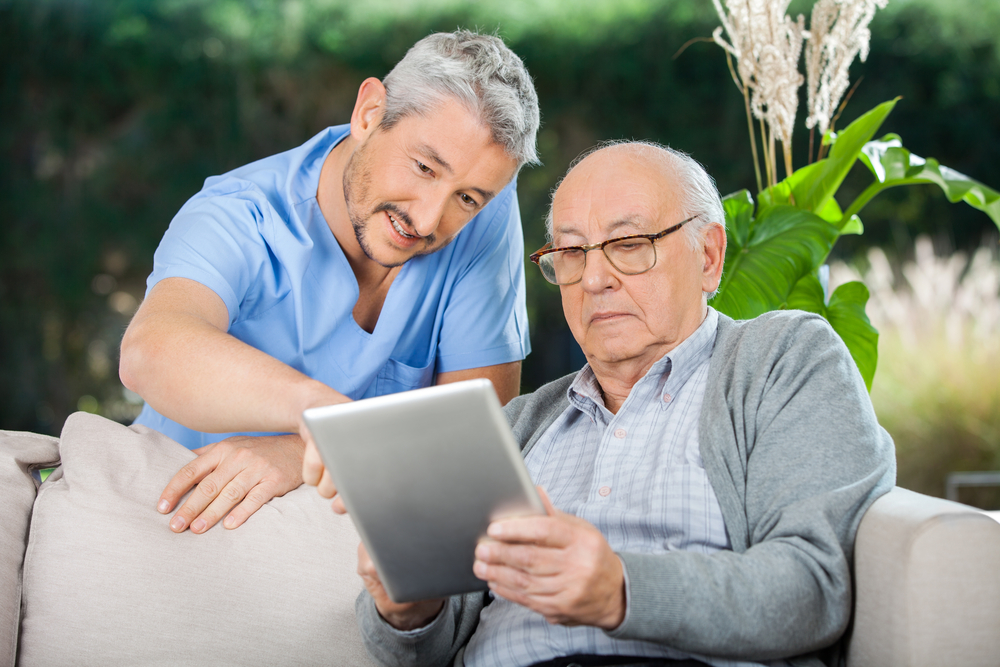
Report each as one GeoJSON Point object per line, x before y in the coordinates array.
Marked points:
{"type": "Point", "coordinates": [813, 186]}
{"type": "Point", "coordinates": [846, 314]}
{"type": "Point", "coordinates": [808, 295]}
{"type": "Point", "coordinates": [739, 215]}
{"type": "Point", "coordinates": [779, 193]}
{"type": "Point", "coordinates": [831, 213]}
{"type": "Point", "coordinates": [853, 226]}
{"type": "Point", "coordinates": [781, 245]}
{"type": "Point", "coordinates": [894, 165]}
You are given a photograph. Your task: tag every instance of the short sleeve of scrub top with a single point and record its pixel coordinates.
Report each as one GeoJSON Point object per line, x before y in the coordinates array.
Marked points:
{"type": "Point", "coordinates": [257, 238]}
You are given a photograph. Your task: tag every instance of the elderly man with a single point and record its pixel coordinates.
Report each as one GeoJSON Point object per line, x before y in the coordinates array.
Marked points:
{"type": "Point", "coordinates": [379, 256]}
{"type": "Point", "coordinates": [706, 476]}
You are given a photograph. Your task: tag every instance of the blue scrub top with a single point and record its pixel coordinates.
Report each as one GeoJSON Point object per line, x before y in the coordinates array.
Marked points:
{"type": "Point", "coordinates": [257, 238]}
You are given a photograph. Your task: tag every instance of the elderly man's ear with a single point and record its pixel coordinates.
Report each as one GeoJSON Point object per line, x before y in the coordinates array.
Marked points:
{"type": "Point", "coordinates": [714, 245]}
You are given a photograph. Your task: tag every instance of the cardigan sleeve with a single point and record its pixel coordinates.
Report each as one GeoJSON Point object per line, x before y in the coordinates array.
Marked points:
{"type": "Point", "coordinates": [433, 645]}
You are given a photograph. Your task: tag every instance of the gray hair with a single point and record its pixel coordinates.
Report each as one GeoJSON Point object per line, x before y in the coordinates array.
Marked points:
{"type": "Point", "coordinates": [482, 73]}
{"type": "Point", "coordinates": [699, 195]}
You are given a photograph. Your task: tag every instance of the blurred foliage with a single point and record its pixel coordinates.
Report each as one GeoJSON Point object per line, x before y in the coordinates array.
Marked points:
{"type": "Point", "coordinates": [943, 412]}
{"type": "Point", "coordinates": [936, 388]}
{"type": "Point", "coordinates": [115, 112]}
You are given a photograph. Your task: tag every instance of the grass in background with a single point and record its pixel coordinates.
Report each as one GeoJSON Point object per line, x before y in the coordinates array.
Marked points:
{"type": "Point", "coordinates": [937, 388]}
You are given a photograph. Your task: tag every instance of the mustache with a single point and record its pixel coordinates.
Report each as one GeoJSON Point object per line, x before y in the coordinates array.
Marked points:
{"type": "Point", "coordinates": [399, 215]}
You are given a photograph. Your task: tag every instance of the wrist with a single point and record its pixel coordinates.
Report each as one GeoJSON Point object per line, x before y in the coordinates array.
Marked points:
{"type": "Point", "coordinates": [414, 617]}
{"type": "Point", "coordinates": [614, 616]}
{"type": "Point", "coordinates": [312, 394]}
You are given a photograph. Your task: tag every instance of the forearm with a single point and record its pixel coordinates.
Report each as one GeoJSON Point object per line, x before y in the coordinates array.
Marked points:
{"type": "Point", "coordinates": [194, 373]}
{"type": "Point", "coordinates": [506, 378]}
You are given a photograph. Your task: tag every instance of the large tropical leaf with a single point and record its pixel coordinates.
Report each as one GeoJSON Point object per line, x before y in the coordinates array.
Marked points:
{"type": "Point", "coordinates": [846, 314]}
{"type": "Point", "coordinates": [832, 213]}
{"type": "Point", "coordinates": [739, 216]}
{"type": "Point", "coordinates": [894, 165]}
{"type": "Point", "coordinates": [768, 254]}
{"type": "Point", "coordinates": [812, 187]}
{"type": "Point", "coordinates": [808, 295]}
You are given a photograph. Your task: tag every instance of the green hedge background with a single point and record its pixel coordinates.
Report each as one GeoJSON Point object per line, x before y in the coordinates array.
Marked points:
{"type": "Point", "coordinates": [113, 113]}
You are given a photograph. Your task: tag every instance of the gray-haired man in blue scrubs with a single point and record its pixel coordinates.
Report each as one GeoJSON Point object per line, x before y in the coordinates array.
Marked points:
{"type": "Point", "coordinates": [379, 256]}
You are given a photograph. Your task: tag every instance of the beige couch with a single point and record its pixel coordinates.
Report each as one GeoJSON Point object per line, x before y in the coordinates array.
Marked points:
{"type": "Point", "coordinates": [91, 575]}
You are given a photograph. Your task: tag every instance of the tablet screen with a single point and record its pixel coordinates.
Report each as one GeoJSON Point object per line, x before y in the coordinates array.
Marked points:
{"type": "Point", "coordinates": [422, 474]}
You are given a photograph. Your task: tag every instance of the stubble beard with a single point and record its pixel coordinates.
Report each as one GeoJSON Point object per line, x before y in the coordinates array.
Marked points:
{"type": "Point", "coordinates": [357, 180]}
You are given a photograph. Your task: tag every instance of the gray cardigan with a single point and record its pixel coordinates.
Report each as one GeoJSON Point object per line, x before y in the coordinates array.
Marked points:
{"type": "Point", "coordinates": [794, 453]}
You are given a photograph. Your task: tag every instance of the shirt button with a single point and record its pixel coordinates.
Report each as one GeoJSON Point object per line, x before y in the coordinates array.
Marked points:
{"type": "Point", "coordinates": [667, 398]}
{"type": "Point", "coordinates": [605, 491]}
{"type": "Point", "coordinates": [620, 433]}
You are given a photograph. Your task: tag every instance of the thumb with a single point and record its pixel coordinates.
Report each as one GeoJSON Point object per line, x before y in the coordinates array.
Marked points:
{"type": "Point", "coordinates": [205, 450]}
{"type": "Point", "coordinates": [550, 509]}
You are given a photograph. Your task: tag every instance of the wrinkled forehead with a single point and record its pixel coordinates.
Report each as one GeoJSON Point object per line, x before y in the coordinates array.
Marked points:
{"type": "Point", "coordinates": [609, 195]}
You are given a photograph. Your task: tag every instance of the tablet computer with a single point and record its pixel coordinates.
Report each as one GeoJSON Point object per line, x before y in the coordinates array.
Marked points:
{"type": "Point", "coordinates": [422, 474]}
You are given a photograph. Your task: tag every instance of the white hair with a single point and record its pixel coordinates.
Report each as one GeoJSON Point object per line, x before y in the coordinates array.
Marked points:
{"type": "Point", "coordinates": [699, 197]}
{"type": "Point", "coordinates": [482, 73]}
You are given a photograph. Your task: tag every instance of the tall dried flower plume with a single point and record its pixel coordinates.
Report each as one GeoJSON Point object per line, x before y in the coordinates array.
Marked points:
{"type": "Point", "coordinates": [766, 44]}
{"type": "Point", "coordinates": [838, 32]}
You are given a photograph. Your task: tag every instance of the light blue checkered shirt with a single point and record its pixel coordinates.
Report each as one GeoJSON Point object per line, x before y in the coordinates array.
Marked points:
{"type": "Point", "coordinates": [638, 477]}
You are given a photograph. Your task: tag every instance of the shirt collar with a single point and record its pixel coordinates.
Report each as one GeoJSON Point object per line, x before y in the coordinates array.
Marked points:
{"type": "Point", "coordinates": [669, 373]}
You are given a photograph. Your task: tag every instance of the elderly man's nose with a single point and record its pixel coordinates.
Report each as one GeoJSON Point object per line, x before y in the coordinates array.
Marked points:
{"type": "Point", "coordinates": [598, 274]}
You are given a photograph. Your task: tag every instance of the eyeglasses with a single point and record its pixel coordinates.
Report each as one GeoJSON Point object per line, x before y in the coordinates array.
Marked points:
{"type": "Point", "coordinates": [630, 255]}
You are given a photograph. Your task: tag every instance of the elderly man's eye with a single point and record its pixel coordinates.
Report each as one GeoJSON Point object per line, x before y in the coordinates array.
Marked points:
{"type": "Point", "coordinates": [423, 167]}
{"type": "Point", "coordinates": [469, 200]}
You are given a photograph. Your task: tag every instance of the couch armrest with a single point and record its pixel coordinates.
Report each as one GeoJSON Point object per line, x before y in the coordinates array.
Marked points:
{"type": "Point", "coordinates": [927, 584]}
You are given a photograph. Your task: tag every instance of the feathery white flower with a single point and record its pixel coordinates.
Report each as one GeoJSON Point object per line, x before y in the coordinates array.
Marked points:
{"type": "Point", "coordinates": [775, 97]}
{"type": "Point", "coordinates": [767, 45]}
{"type": "Point", "coordinates": [838, 32]}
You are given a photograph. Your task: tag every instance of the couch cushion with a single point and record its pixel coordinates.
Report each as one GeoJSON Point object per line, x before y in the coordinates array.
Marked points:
{"type": "Point", "coordinates": [19, 453]}
{"type": "Point", "coordinates": [106, 581]}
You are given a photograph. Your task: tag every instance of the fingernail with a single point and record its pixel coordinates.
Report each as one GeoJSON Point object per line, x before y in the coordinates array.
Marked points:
{"type": "Point", "coordinates": [164, 506]}
{"type": "Point", "coordinates": [483, 552]}
{"type": "Point", "coordinates": [230, 520]}
{"type": "Point", "coordinates": [177, 524]}
{"type": "Point", "coordinates": [198, 526]}
{"type": "Point", "coordinates": [479, 569]}
{"type": "Point", "coordinates": [495, 530]}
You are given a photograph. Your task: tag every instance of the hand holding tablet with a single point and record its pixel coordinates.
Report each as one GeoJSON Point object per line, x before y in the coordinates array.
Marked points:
{"type": "Point", "coordinates": [423, 473]}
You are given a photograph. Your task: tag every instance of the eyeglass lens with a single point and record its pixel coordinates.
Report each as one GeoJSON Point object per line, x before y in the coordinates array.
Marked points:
{"type": "Point", "coordinates": [629, 256]}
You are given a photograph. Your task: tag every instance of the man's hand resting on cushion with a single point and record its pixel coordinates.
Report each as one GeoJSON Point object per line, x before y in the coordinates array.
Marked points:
{"type": "Point", "coordinates": [235, 476]}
